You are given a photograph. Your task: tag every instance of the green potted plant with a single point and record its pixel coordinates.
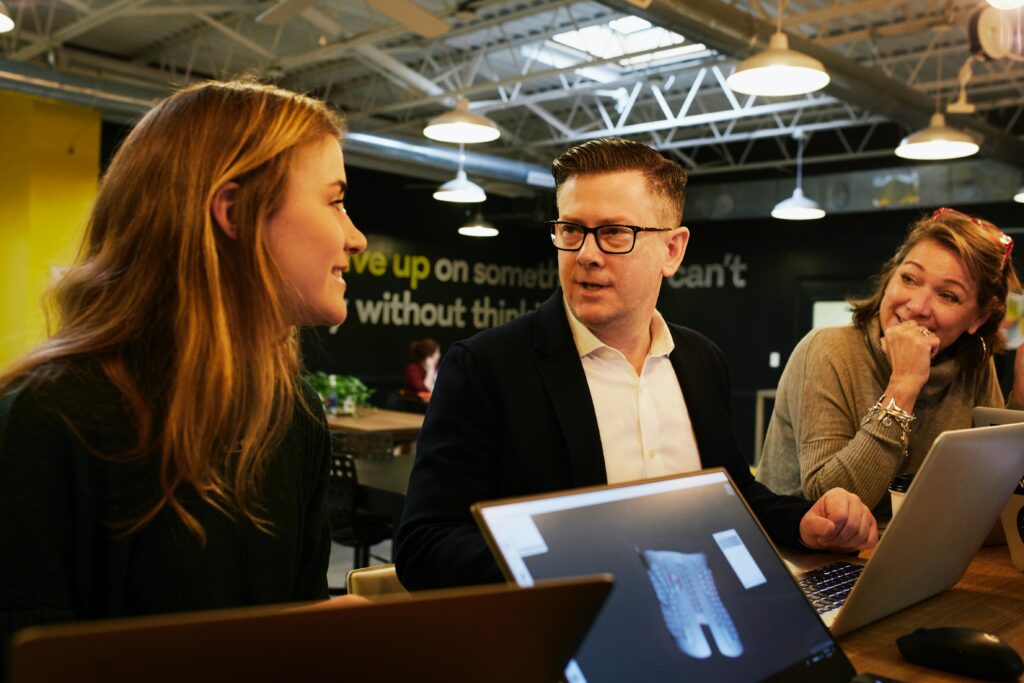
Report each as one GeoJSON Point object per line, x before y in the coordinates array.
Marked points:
{"type": "Point", "coordinates": [341, 394]}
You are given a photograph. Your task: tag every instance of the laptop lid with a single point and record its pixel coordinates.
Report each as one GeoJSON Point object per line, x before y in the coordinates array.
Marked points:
{"type": "Point", "coordinates": [494, 633]}
{"type": "Point", "coordinates": [983, 416]}
{"type": "Point", "coordinates": [952, 503]}
{"type": "Point", "coordinates": [700, 593]}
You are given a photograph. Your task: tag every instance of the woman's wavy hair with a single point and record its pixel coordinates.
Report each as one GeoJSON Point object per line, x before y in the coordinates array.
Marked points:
{"type": "Point", "coordinates": [985, 254]}
{"type": "Point", "coordinates": [157, 285]}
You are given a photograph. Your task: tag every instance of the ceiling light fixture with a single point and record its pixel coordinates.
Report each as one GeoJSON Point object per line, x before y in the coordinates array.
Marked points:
{"type": "Point", "coordinates": [478, 226]}
{"type": "Point", "coordinates": [462, 126]}
{"type": "Point", "coordinates": [1019, 197]}
{"type": "Point", "coordinates": [937, 141]}
{"type": "Point", "coordinates": [6, 21]}
{"type": "Point", "coordinates": [460, 189]}
{"type": "Point", "coordinates": [798, 207]}
{"type": "Point", "coordinates": [778, 71]}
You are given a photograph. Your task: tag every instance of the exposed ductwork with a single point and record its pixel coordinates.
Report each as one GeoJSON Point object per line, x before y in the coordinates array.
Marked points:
{"type": "Point", "coordinates": [124, 104]}
{"type": "Point", "coordinates": [963, 182]}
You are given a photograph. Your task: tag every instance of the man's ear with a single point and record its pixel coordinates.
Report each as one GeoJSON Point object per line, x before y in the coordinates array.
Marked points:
{"type": "Point", "coordinates": [677, 242]}
{"type": "Point", "coordinates": [222, 208]}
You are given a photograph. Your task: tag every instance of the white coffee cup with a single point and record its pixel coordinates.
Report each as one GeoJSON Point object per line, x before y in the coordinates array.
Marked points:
{"type": "Point", "coordinates": [898, 491]}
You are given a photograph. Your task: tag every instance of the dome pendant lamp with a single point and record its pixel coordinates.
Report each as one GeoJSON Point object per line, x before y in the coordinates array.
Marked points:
{"type": "Point", "coordinates": [478, 226]}
{"type": "Point", "coordinates": [937, 141]}
{"type": "Point", "coordinates": [460, 189]}
{"type": "Point", "coordinates": [6, 20]}
{"type": "Point", "coordinates": [460, 125]}
{"type": "Point", "coordinates": [778, 71]}
{"type": "Point", "coordinates": [798, 207]}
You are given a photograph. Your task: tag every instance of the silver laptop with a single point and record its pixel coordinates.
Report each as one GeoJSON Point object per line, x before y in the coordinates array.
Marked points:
{"type": "Point", "coordinates": [983, 416]}
{"type": "Point", "coordinates": [700, 592]}
{"type": "Point", "coordinates": [956, 496]}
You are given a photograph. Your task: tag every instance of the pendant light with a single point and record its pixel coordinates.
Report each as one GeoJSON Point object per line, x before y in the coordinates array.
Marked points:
{"type": "Point", "coordinates": [462, 126]}
{"type": "Point", "coordinates": [778, 71]}
{"type": "Point", "coordinates": [798, 207]}
{"type": "Point", "coordinates": [6, 21]}
{"type": "Point", "coordinates": [460, 189]}
{"type": "Point", "coordinates": [937, 141]}
{"type": "Point", "coordinates": [478, 226]}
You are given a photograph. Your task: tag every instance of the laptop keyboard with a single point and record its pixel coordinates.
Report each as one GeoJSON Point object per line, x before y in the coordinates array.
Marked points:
{"type": "Point", "coordinates": [826, 587]}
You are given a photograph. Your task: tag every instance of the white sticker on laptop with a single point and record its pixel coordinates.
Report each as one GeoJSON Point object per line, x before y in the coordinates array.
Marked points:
{"type": "Point", "coordinates": [739, 557]}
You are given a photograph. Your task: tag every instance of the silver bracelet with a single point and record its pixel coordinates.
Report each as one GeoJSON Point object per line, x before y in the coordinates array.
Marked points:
{"type": "Point", "coordinates": [890, 414]}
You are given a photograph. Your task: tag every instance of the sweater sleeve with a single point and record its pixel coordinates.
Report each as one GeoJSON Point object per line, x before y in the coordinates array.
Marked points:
{"type": "Point", "coordinates": [837, 446]}
{"type": "Point", "coordinates": [37, 506]}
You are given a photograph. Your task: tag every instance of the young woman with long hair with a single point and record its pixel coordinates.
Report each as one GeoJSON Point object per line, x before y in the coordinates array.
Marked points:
{"type": "Point", "coordinates": [159, 452]}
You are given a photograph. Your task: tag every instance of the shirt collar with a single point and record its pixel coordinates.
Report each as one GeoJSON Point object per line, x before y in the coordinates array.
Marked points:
{"type": "Point", "coordinates": [587, 342]}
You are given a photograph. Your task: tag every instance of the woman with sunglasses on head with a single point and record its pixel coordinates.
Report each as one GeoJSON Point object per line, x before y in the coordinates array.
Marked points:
{"type": "Point", "coordinates": [159, 452]}
{"type": "Point", "coordinates": [857, 405]}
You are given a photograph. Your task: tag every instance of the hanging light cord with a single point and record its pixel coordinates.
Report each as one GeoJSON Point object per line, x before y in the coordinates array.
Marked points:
{"type": "Point", "coordinates": [799, 160]}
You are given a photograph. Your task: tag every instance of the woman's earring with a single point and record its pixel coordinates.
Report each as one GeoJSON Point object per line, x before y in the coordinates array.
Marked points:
{"type": "Point", "coordinates": [984, 347]}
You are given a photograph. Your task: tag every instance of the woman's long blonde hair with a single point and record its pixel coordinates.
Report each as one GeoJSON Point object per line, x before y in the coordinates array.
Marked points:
{"type": "Point", "coordinates": [154, 272]}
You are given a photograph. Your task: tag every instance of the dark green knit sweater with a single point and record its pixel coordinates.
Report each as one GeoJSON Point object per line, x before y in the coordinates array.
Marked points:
{"type": "Point", "coordinates": [62, 558]}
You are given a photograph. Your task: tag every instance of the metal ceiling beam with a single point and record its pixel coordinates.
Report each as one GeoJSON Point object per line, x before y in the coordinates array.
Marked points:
{"type": "Point", "coordinates": [91, 20]}
{"type": "Point", "coordinates": [731, 31]}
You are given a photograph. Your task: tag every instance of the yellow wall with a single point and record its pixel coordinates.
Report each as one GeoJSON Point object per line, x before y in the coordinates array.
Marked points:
{"type": "Point", "coordinates": [49, 170]}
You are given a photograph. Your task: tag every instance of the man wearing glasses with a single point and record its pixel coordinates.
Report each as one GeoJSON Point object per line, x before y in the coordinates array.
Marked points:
{"type": "Point", "coordinates": [592, 388]}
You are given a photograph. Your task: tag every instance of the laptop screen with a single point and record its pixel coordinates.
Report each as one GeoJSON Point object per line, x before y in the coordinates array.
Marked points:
{"type": "Point", "coordinates": [700, 593]}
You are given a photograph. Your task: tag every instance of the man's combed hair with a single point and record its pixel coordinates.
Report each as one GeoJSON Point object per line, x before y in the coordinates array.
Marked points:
{"type": "Point", "coordinates": [612, 155]}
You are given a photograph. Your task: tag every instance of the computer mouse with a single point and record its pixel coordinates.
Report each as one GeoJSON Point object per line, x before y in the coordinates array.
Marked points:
{"type": "Point", "coordinates": [964, 651]}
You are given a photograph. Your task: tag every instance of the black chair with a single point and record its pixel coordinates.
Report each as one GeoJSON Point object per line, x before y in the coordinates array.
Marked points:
{"type": "Point", "coordinates": [352, 526]}
{"type": "Point", "coordinates": [407, 404]}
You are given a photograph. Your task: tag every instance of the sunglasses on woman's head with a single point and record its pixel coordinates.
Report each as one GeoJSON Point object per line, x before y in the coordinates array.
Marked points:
{"type": "Point", "coordinates": [1005, 240]}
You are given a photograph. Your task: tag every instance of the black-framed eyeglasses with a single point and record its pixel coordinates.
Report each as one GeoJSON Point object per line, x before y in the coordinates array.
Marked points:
{"type": "Point", "coordinates": [611, 239]}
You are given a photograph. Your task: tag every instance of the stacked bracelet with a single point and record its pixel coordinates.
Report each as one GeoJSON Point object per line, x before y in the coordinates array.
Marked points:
{"type": "Point", "coordinates": [890, 414]}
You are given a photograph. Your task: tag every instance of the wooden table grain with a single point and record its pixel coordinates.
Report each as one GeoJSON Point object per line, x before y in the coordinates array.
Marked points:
{"type": "Point", "coordinates": [403, 426]}
{"type": "Point", "coordinates": [990, 597]}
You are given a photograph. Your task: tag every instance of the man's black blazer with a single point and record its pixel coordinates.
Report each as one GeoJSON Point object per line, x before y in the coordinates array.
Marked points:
{"type": "Point", "coordinates": [511, 415]}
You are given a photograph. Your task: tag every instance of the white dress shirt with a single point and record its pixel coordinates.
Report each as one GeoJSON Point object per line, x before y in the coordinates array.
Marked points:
{"type": "Point", "coordinates": [644, 424]}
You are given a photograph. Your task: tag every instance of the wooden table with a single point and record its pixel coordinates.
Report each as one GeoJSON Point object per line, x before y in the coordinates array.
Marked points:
{"type": "Point", "coordinates": [402, 426]}
{"type": "Point", "coordinates": [989, 597]}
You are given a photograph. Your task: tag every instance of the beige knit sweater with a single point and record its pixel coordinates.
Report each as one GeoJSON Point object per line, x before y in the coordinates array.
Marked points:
{"type": "Point", "coordinates": [818, 437]}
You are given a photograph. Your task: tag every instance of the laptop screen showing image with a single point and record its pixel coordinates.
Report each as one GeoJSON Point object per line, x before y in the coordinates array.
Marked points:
{"type": "Point", "coordinates": [700, 593]}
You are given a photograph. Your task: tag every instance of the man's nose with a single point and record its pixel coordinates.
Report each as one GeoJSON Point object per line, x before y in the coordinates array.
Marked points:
{"type": "Point", "coordinates": [589, 252]}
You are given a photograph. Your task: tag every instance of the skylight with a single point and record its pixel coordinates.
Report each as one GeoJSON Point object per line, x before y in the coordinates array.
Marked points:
{"type": "Point", "coordinates": [627, 35]}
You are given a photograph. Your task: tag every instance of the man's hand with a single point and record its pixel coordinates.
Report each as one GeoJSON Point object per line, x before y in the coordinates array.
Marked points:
{"type": "Point", "coordinates": [839, 521]}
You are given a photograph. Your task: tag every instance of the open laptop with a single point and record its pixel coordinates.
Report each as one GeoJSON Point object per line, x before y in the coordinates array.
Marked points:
{"type": "Point", "coordinates": [700, 593]}
{"type": "Point", "coordinates": [495, 633]}
{"type": "Point", "coordinates": [983, 416]}
{"type": "Point", "coordinates": [952, 503]}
